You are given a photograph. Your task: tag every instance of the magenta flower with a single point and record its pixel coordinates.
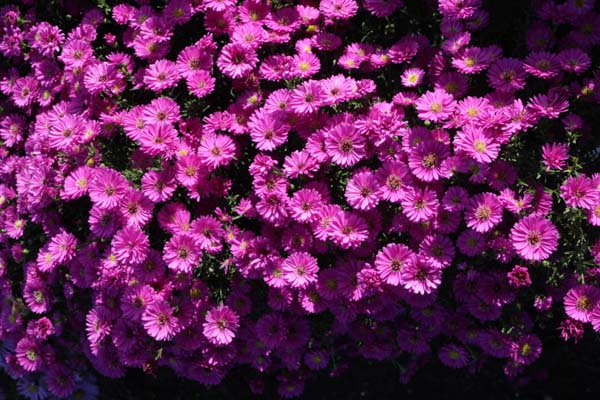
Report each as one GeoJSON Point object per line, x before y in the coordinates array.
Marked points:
{"type": "Point", "coordinates": [534, 238]}
{"type": "Point", "coordinates": [220, 326]}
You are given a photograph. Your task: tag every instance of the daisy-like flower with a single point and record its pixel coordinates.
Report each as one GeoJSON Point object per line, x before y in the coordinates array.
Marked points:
{"type": "Point", "coordinates": [345, 145]}
{"type": "Point", "coordinates": [419, 205]}
{"type": "Point", "coordinates": [362, 190]}
{"type": "Point", "coordinates": [526, 349]}
{"type": "Point", "coordinates": [534, 238]}
{"type": "Point", "coordinates": [161, 75]}
{"type": "Point", "coordinates": [435, 106]}
{"type": "Point", "coordinates": [507, 75]}
{"type": "Point", "coordinates": [180, 253]}
{"type": "Point", "coordinates": [420, 276]}
{"type": "Point", "coordinates": [268, 130]}
{"type": "Point", "coordinates": [201, 83]}
{"type": "Point", "coordinates": [307, 64]}
{"type": "Point", "coordinates": [393, 178]}
{"type": "Point", "coordinates": [580, 301]}
{"type": "Point", "coordinates": [340, 9]}
{"type": "Point", "coordinates": [483, 212]}
{"type": "Point", "coordinates": [220, 325]}
{"type": "Point", "coordinates": [412, 77]}
{"type": "Point", "coordinates": [136, 208]}
{"type": "Point", "coordinates": [299, 270]}
{"type": "Point", "coordinates": [347, 230]}
{"type": "Point", "coordinates": [158, 139]}
{"type": "Point", "coordinates": [76, 184]}
{"type": "Point", "coordinates": [158, 185]}
{"type": "Point", "coordinates": [470, 60]}
{"type": "Point", "coordinates": [574, 60]}
{"type": "Point", "coordinates": [237, 60]}
{"type": "Point", "coordinates": [307, 98]}
{"type": "Point", "coordinates": [107, 188]}
{"type": "Point", "coordinates": [305, 205]}
{"type": "Point", "coordinates": [542, 65]}
{"type": "Point", "coordinates": [159, 320]}
{"type": "Point", "coordinates": [29, 354]}
{"type": "Point", "coordinates": [555, 155]}
{"type": "Point", "coordinates": [62, 247]}
{"type": "Point", "coordinates": [579, 191]}
{"type": "Point", "coordinates": [216, 150]}
{"type": "Point", "coordinates": [453, 356]}
{"type": "Point", "coordinates": [130, 245]}
{"type": "Point", "coordinates": [425, 160]}
{"type": "Point", "coordinates": [390, 261]}
{"type": "Point", "coordinates": [477, 144]}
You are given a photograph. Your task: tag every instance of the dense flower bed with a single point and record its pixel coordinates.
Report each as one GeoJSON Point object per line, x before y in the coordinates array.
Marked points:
{"type": "Point", "coordinates": [286, 187]}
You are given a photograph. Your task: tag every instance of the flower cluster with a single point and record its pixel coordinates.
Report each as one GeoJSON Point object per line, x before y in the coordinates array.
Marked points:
{"type": "Point", "coordinates": [213, 184]}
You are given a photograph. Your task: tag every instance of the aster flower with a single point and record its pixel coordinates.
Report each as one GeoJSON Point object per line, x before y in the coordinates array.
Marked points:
{"type": "Point", "coordinates": [180, 253]}
{"type": "Point", "coordinates": [435, 106]}
{"type": "Point", "coordinates": [579, 191]}
{"type": "Point", "coordinates": [76, 184]}
{"type": "Point", "coordinates": [478, 144]}
{"type": "Point", "coordinates": [542, 65]}
{"type": "Point", "coordinates": [304, 205]}
{"type": "Point", "coordinates": [554, 155]}
{"type": "Point", "coordinates": [340, 9]}
{"type": "Point", "coordinates": [483, 212]}
{"type": "Point", "coordinates": [419, 205]}
{"type": "Point", "coordinates": [425, 160]}
{"type": "Point", "coordinates": [534, 238]}
{"type": "Point", "coordinates": [390, 261]}
{"type": "Point", "coordinates": [130, 245]}
{"type": "Point", "coordinates": [453, 356]}
{"type": "Point", "coordinates": [420, 276]}
{"type": "Point", "coordinates": [519, 276]}
{"type": "Point", "coordinates": [362, 191]}
{"type": "Point", "coordinates": [62, 247]}
{"type": "Point", "coordinates": [470, 60]}
{"type": "Point", "coordinates": [393, 178]}
{"type": "Point", "coordinates": [300, 270]}
{"type": "Point", "coordinates": [216, 150]}
{"type": "Point", "coordinates": [345, 145]}
{"type": "Point", "coordinates": [412, 77]}
{"type": "Point", "coordinates": [159, 320]}
{"type": "Point", "coordinates": [200, 83]}
{"type": "Point", "coordinates": [526, 349]}
{"type": "Point", "coordinates": [268, 130]}
{"type": "Point", "coordinates": [347, 230]}
{"type": "Point", "coordinates": [237, 60]}
{"type": "Point", "coordinates": [507, 75]}
{"type": "Point", "coordinates": [580, 302]}
{"type": "Point", "coordinates": [107, 188]}
{"type": "Point", "coordinates": [307, 97]}
{"type": "Point", "coordinates": [29, 354]}
{"type": "Point", "coordinates": [158, 138]}
{"type": "Point", "coordinates": [220, 326]}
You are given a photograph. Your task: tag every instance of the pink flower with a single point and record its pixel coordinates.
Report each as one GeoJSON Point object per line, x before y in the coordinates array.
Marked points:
{"type": "Point", "coordinates": [345, 145]}
{"type": "Point", "coordinates": [130, 245]}
{"type": "Point", "coordinates": [362, 190]}
{"type": "Point", "coordinates": [435, 106]}
{"type": "Point", "coordinates": [420, 276]}
{"type": "Point", "coordinates": [237, 60]}
{"type": "Point", "coordinates": [483, 212]}
{"type": "Point", "coordinates": [390, 261]}
{"type": "Point", "coordinates": [220, 325]}
{"type": "Point", "coordinates": [554, 155]}
{"type": "Point", "coordinates": [581, 301]}
{"type": "Point", "coordinates": [159, 320]}
{"type": "Point", "coordinates": [300, 270]}
{"type": "Point", "coordinates": [579, 191]}
{"type": "Point", "coordinates": [534, 238]}
{"type": "Point", "coordinates": [419, 205]}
